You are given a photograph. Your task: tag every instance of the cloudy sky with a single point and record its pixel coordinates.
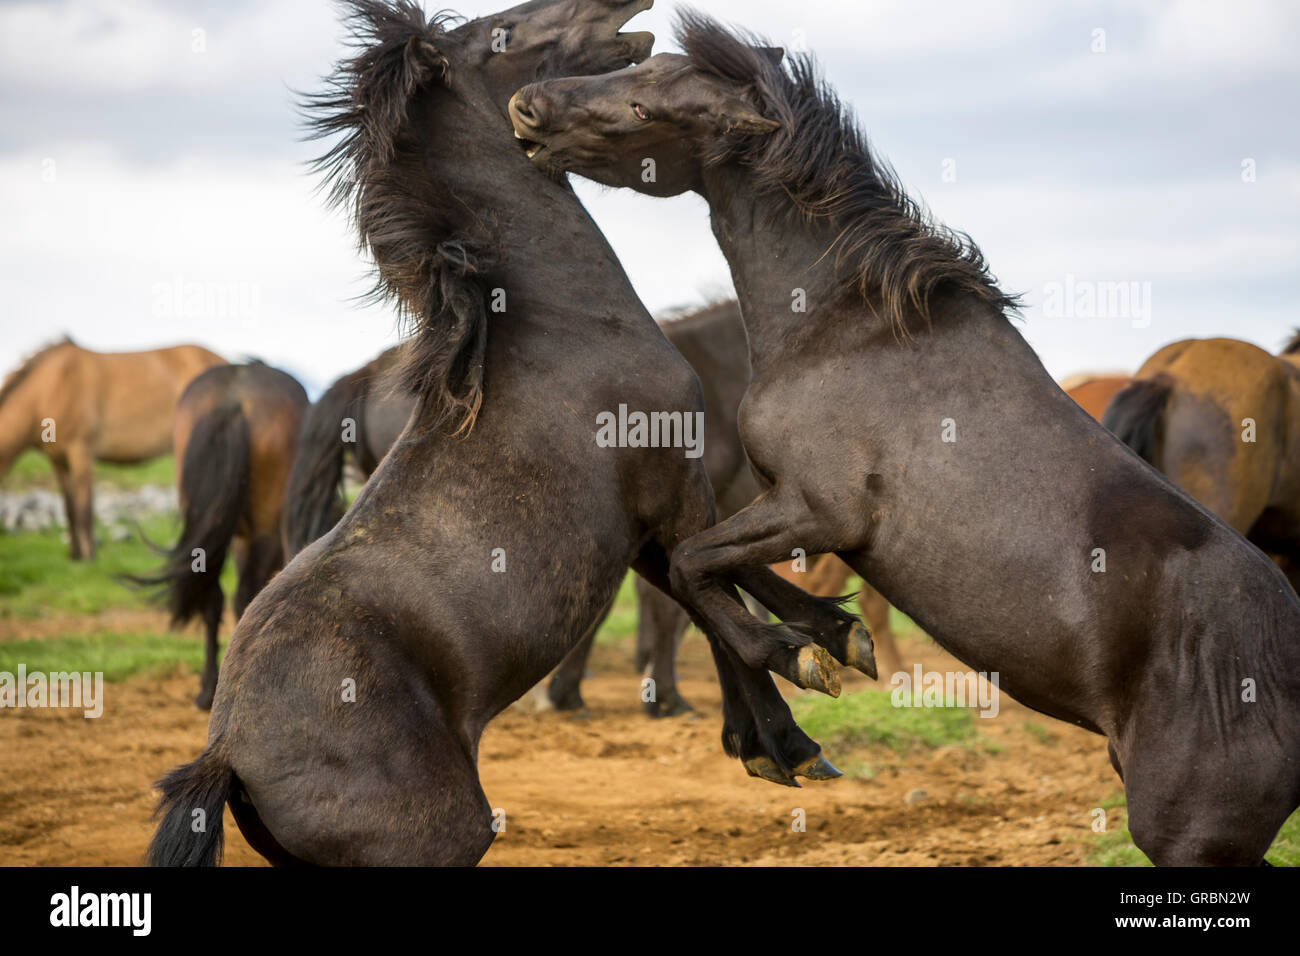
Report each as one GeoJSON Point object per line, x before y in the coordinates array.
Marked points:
{"type": "Point", "coordinates": [152, 186]}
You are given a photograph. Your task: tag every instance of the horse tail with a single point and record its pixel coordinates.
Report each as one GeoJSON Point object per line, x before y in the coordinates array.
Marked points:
{"type": "Point", "coordinates": [1133, 415]}
{"type": "Point", "coordinates": [214, 489]}
{"type": "Point", "coordinates": [314, 499]}
{"type": "Point", "coordinates": [203, 785]}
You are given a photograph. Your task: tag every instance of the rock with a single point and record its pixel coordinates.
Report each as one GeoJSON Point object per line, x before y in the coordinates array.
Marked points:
{"type": "Point", "coordinates": [915, 796]}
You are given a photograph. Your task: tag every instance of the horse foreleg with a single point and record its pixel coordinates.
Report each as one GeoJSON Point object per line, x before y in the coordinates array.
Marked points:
{"type": "Point", "coordinates": [757, 725]}
{"type": "Point", "coordinates": [76, 478]}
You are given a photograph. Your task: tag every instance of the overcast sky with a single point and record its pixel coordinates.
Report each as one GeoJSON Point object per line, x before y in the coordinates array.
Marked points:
{"type": "Point", "coordinates": [150, 149]}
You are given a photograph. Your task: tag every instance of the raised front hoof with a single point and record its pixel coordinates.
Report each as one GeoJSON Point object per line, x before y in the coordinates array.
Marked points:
{"type": "Point", "coordinates": [814, 669]}
{"type": "Point", "coordinates": [765, 768]}
{"type": "Point", "coordinates": [818, 768]}
{"type": "Point", "coordinates": [675, 706]}
{"type": "Point", "coordinates": [860, 651]}
{"type": "Point", "coordinates": [203, 701]}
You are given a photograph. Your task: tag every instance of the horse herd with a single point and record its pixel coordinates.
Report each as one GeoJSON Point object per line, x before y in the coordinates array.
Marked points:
{"type": "Point", "coordinates": [867, 400]}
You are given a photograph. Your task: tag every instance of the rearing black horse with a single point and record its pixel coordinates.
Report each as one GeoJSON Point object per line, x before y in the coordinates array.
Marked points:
{"type": "Point", "coordinates": [901, 421]}
{"type": "Point", "coordinates": [496, 532]}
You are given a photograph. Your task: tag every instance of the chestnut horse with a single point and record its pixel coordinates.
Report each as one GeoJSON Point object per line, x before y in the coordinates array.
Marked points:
{"type": "Point", "coordinates": [898, 418]}
{"type": "Point", "coordinates": [235, 432]}
{"type": "Point", "coordinates": [1221, 419]}
{"type": "Point", "coordinates": [1093, 393]}
{"type": "Point", "coordinates": [78, 407]}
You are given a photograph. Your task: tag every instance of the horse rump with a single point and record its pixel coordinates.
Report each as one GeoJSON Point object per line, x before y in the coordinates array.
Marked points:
{"type": "Point", "coordinates": [1133, 415]}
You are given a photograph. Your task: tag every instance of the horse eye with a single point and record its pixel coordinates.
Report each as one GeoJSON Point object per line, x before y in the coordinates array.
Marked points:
{"type": "Point", "coordinates": [640, 111]}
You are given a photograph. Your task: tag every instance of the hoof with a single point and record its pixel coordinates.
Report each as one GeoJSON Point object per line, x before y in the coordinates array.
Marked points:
{"type": "Point", "coordinates": [817, 768]}
{"type": "Point", "coordinates": [817, 670]}
{"type": "Point", "coordinates": [204, 700]}
{"type": "Point", "coordinates": [571, 702]}
{"type": "Point", "coordinates": [674, 707]}
{"type": "Point", "coordinates": [766, 768]}
{"type": "Point", "coordinates": [861, 650]}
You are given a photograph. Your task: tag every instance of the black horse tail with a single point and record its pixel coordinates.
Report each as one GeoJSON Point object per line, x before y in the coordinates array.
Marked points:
{"type": "Point", "coordinates": [213, 487]}
{"type": "Point", "coordinates": [1134, 415]}
{"type": "Point", "coordinates": [185, 837]}
{"type": "Point", "coordinates": [314, 499]}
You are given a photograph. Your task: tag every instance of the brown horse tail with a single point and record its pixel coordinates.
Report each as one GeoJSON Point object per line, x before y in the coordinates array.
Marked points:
{"type": "Point", "coordinates": [214, 487]}
{"type": "Point", "coordinates": [314, 499]}
{"type": "Point", "coordinates": [1133, 415]}
{"type": "Point", "coordinates": [193, 796]}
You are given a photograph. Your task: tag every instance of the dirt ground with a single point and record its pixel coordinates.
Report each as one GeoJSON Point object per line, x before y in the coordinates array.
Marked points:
{"type": "Point", "coordinates": [610, 788]}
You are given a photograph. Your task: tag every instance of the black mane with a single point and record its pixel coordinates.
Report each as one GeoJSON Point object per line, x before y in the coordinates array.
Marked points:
{"type": "Point", "coordinates": [376, 171]}
{"type": "Point", "coordinates": [1292, 346]}
{"type": "Point", "coordinates": [896, 254]}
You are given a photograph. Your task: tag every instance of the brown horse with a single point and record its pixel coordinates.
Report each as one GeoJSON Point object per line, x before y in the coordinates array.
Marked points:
{"type": "Point", "coordinates": [1093, 393]}
{"type": "Point", "coordinates": [235, 434]}
{"type": "Point", "coordinates": [1221, 419]}
{"type": "Point", "coordinates": [78, 406]}
{"type": "Point", "coordinates": [899, 419]}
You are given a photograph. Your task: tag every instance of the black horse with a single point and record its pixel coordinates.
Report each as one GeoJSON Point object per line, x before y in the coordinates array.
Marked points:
{"type": "Point", "coordinates": [361, 414]}
{"type": "Point", "coordinates": [495, 533]}
{"type": "Point", "coordinates": [901, 421]}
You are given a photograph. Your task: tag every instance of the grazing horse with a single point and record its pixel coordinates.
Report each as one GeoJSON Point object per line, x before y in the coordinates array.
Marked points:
{"type": "Point", "coordinates": [1221, 419]}
{"type": "Point", "coordinates": [495, 533]}
{"type": "Point", "coordinates": [712, 340]}
{"type": "Point", "coordinates": [362, 413]}
{"type": "Point", "coordinates": [235, 432]}
{"type": "Point", "coordinates": [899, 419]}
{"type": "Point", "coordinates": [78, 406]}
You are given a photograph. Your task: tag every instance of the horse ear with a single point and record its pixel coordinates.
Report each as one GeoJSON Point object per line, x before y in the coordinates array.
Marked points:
{"type": "Point", "coordinates": [773, 54]}
{"type": "Point", "coordinates": [743, 119]}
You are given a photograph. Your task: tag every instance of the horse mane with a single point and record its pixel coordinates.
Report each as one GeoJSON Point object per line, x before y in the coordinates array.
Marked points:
{"type": "Point", "coordinates": [376, 171]}
{"type": "Point", "coordinates": [821, 162]}
{"type": "Point", "coordinates": [24, 371]}
{"type": "Point", "coordinates": [1292, 346]}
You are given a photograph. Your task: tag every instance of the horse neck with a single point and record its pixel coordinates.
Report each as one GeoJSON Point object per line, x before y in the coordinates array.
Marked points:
{"type": "Point", "coordinates": [779, 262]}
{"type": "Point", "coordinates": [546, 246]}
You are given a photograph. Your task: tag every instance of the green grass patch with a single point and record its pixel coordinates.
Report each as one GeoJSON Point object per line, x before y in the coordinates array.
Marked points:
{"type": "Point", "coordinates": [620, 626]}
{"type": "Point", "coordinates": [1039, 732]}
{"type": "Point", "coordinates": [1115, 847]}
{"type": "Point", "coordinates": [32, 470]}
{"type": "Point", "coordinates": [117, 656]}
{"type": "Point", "coordinates": [869, 719]}
{"type": "Point", "coordinates": [36, 574]}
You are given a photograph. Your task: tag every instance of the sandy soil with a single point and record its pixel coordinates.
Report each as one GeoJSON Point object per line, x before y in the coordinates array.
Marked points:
{"type": "Point", "coordinates": [610, 788]}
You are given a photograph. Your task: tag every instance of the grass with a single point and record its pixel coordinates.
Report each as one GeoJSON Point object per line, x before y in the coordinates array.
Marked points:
{"type": "Point", "coordinates": [1115, 847]}
{"type": "Point", "coordinates": [869, 719]}
{"type": "Point", "coordinates": [117, 655]}
{"type": "Point", "coordinates": [32, 470]}
{"type": "Point", "coordinates": [36, 574]}
{"type": "Point", "coordinates": [621, 623]}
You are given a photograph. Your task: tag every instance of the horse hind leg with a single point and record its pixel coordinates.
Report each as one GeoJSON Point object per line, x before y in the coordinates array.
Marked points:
{"type": "Point", "coordinates": [214, 604]}
{"type": "Point", "coordinates": [661, 624]}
